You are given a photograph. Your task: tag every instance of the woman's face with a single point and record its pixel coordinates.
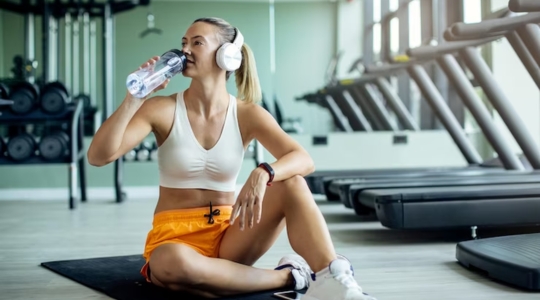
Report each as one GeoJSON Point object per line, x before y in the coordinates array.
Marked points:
{"type": "Point", "coordinates": [200, 44]}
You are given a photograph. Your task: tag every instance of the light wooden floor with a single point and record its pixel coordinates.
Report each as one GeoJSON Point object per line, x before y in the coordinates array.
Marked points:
{"type": "Point", "coordinates": [389, 264]}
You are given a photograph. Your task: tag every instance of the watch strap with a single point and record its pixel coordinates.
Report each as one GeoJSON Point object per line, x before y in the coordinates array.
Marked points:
{"type": "Point", "coordinates": [270, 172]}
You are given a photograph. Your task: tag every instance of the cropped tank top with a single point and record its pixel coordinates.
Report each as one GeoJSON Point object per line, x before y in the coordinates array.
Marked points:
{"type": "Point", "coordinates": [184, 163]}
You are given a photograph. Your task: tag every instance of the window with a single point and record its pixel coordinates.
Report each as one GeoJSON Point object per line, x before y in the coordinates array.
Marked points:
{"type": "Point", "coordinates": [394, 4]}
{"type": "Point", "coordinates": [394, 36]}
{"type": "Point", "coordinates": [415, 24]}
{"type": "Point", "coordinates": [472, 11]}
{"type": "Point", "coordinates": [376, 11]}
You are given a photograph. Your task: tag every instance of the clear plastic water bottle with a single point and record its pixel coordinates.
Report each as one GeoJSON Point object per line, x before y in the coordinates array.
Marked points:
{"type": "Point", "coordinates": [142, 82]}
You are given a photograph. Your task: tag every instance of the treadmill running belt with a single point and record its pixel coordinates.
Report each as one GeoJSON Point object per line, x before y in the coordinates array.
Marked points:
{"type": "Point", "coordinates": [514, 260]}
{"type": "Point", "coordinates": [456, 207]}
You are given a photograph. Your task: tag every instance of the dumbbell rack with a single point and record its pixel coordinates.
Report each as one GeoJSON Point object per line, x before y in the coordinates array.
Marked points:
{"type": "Point", "coordinates": [74, 114]}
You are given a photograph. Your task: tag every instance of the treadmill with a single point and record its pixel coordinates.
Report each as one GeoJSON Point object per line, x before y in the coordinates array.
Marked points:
{"type": "Point", "coordinates": [330, 183]}
{"type": "Point", "coordinates": [503, 204]}
{"type": "Point", "coordinates": [349, 189]}
{"type": "Point", "coordinates": [320, 180]}
{"type": "Point", "coordinates": [512, 259]}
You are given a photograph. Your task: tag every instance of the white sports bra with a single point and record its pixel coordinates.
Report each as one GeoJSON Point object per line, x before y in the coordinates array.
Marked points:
{"type": "Point", "coordinates": [184, 163]}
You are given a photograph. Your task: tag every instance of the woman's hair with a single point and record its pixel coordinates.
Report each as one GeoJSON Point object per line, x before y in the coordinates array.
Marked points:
{"type": "Point", "coordinates": [247, 80]}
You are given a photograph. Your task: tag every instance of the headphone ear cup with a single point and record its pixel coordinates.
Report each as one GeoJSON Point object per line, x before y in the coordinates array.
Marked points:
{"type": "Point", "coordinates": [229, 57]}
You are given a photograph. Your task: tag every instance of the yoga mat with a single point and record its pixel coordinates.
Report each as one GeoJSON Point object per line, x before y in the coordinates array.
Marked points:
{"type": "Point", "coordinates": [119, 278]}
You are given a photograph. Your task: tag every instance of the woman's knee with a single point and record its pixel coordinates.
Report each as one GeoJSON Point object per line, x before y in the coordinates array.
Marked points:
{"type": "Point", "coordinates": [295, 185]}
{"type": "Point", "coordinates": [174, 265]}
{"type": "Point", "coordinates": [295, 181]}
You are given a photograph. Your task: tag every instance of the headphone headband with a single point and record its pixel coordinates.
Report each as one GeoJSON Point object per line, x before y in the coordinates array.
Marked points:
{"type": "Point", "coordinates": [238, 38]}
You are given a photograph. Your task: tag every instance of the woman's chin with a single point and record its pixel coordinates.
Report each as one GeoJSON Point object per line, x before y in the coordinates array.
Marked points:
{"type": "Point", "coordinates": [188, 73]}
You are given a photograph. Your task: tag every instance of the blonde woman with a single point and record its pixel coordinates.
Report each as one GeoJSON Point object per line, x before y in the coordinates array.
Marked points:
{"type": "Point", "coordinates": [204, 240]}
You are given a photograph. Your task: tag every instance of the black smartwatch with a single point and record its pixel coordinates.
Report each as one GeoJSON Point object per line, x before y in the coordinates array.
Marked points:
{"type": "Point", "coordinates": [270, 171]}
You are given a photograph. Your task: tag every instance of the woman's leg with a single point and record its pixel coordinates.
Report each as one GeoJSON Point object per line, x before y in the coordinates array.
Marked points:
{"type": "Point", "coordinates": [289, 200]}
{"type": "Point", "coordinates": [181, 268]}
{"type": "Point", "coordinates": [292, 201]}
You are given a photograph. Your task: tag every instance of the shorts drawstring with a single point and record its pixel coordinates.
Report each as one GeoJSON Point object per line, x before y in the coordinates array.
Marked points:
{"type": "Point", "coordinates": [211, 215]}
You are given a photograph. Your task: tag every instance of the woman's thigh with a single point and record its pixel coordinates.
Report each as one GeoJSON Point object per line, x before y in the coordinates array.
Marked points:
{"type": "Point", "coordinates": [247, 246]}
{"type": "Point", "coordinates": [174, 266]}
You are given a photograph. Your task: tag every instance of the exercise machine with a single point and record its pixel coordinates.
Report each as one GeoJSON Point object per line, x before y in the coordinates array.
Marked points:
{"type": "Point", "coordinates": [509, 259]}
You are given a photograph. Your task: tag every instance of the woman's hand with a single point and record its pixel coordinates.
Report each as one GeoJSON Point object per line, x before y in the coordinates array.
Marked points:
{"type": "Point", "coordinates": [249, 201]}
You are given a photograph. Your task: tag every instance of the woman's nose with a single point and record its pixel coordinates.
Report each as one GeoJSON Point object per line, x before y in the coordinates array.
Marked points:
{"type": "Point", "coordinates": [186, 49]}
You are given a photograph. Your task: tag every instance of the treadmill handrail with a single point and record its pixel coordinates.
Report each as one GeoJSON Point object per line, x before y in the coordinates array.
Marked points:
{"type": "Point", "coordinates": [493, 26]}
{"type": "Point", "coordinates": [524, 5]}
{"type": "Point", "coordinates": [424, 52]}
{"type": "Point", "coordinates": [450, 37]}
{"type": "Point", "coordinates": [390, 68]}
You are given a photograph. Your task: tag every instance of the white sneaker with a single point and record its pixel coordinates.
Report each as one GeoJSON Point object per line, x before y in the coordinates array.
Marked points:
{"type": "Point", "coordinates": [300, 270]}
{"type": "Point", "coordinates": [335, 283]}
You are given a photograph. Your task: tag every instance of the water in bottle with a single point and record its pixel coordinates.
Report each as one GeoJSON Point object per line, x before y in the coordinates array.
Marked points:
{"type": "Point", "coordinates": [142, 82]}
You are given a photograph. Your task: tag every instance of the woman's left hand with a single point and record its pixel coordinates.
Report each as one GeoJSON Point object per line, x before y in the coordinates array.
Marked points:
{"type": "Point", "coordinates": [249, 201]}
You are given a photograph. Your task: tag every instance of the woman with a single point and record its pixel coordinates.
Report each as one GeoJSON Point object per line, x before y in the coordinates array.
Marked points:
{"type": "Point", "coordinates": [203, 240]}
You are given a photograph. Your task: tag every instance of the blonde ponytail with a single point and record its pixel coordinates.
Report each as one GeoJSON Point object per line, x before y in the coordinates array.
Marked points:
{"type": "Point", "coordinates": [247, 79]}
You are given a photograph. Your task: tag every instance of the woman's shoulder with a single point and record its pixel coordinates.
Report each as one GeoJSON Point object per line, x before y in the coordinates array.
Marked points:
{"type": "Point", "coordinates": [248, 107]}
{"type": "Point", "coordinates": [248, 110]}
{"type": "Point", "coordinates": [159, 108]}
{"type": "Point", "coordinates": [158, 104]}
{"type": "Point", "coordinates": [252, 114]}
{"type": "Point", "coordinates": [161, 101]}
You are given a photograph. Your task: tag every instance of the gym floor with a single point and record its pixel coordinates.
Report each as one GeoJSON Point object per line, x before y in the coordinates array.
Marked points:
{"type": "Point", "coordinates": [389, 264]}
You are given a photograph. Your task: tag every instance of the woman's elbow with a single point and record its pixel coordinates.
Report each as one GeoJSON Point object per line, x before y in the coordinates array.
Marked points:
{"type": "Point", "coordinates": [94, 160]}
{"type": "Point", "coordinates": [310, 164]}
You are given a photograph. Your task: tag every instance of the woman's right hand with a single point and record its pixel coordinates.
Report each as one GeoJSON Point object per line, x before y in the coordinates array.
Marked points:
{"type": "Point", "coordinates": [149, 64]}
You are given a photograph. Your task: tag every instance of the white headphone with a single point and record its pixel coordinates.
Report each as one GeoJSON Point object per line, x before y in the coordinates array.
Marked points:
{"type": "Point", "coordinates": [229, 55]}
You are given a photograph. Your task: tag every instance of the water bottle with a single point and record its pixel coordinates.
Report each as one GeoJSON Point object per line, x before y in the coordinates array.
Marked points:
{"type": "Point", "coordinates": [142, 82]}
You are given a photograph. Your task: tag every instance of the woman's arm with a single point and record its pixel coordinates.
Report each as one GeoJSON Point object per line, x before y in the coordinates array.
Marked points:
{"type": "Point", "coordinates": [292, 158]}
{"type": "Point", "coordinates": [126, 127]}
{"type": "Point", "coordinates": [121, 132]}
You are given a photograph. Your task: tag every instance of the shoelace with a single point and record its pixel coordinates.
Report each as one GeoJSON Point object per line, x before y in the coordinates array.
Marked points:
{"type": "Point", "coordinates": [346, 278]}
{"type": "Point", "coordinates": [305, 272]}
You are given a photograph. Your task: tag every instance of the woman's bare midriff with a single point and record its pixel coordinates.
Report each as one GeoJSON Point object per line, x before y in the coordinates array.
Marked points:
{"type": "Point", "coordinates": [171, 199]}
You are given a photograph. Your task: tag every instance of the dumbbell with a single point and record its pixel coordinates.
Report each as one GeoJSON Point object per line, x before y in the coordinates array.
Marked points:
{"type": "Point", "coordinates": [2, 147]}
{"type": "Point", "coordinates": [4, 91]}
{"type": "Point", "coordinates": [143, 152]}
{"type": "Point", "coordinates": [21, 147]}
{"type": "Point", "coordinates": [131, 155]}
{"type": "Point", "coordinates": [24, 95]}
{"type": "Point", "coordinates": [4, 96]}
{"type": "Point", "coordinates": [54, 146]}
{"type": "Point", "coordinates": [54, 97]}
{"type": "Point", "coordinates": [154, 152]}
{"type": "Point", "coordinates": [85, 99]}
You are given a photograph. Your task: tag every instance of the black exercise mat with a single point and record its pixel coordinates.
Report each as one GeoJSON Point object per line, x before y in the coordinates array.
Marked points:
{"type": "Point", "coordinates": [119, 278]}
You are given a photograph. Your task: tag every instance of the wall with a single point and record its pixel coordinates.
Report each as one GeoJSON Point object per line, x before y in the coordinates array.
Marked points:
{"type": "Point", "coordinates": [304, 45]}
{"type": "Point", "coordinates": [349, 33]}
{"type": "Point", "coordinates": [12, 40]}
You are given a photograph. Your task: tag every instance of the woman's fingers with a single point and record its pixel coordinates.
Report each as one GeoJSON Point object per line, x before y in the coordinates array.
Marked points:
{"type": "Point", "coordinates": [251, 211]}
{"type": "Point", "coordinates": [150, 62]}
{"type": "Point", "coordinates": [243, 216]}
{"type": "Point", "coordinates": [234, 212]}
{"type": "Point", "coordinates": [257, 208]}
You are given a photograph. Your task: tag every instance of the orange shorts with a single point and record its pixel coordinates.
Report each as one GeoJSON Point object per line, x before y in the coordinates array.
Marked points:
{"type": "Point", "coordinates": [193, 227]}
